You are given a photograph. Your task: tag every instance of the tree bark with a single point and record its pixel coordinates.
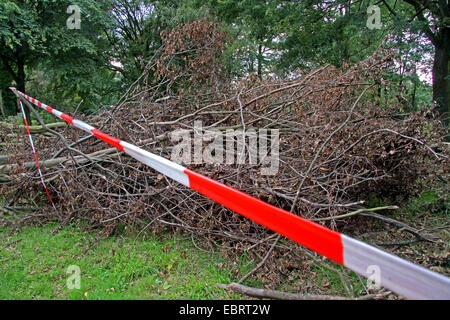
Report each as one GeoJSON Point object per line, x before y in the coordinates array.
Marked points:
{"type": "Point", "coordinates": [441, 83]}
{"type": "Point", "coordinates": [441, 42]}
{"type": "Point", "coordinates": [33, 129]}
{"type": "Point", "coordinates": [20, 79]}
{"type": "Point", "coordinates": [2, 110]}
{"type": "Point", "coordinates": [260, 61]}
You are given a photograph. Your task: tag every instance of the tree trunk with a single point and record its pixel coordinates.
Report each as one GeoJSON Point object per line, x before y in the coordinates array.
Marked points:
{"type": "Point", "coordinates": [260, 61]}
{"type": "Point", "coordinates": [21, 86]}
{"type": "Point", "coordinates": [2, 110]}
{"type": "Point", "coordinates": [441, 83]}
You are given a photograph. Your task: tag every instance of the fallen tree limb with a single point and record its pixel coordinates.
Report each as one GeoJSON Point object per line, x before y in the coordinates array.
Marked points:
{"type": "Point", "coordinates": [33, 129]}
{"type": "Point", "coordinates": [3, 159]}
{"type": "Point", "coordinates": [97, 155]}
{"type": "Point", "coordinates": [280, 295]}
{"type": "Point", "coordinates": [53, 162]}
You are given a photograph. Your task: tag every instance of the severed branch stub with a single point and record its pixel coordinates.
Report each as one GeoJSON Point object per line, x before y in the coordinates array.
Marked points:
{"type": "Point", "coordinates": [280, 295]}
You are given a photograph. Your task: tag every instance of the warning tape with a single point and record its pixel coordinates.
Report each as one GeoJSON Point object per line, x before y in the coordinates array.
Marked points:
{"type": "Point", "coordinates": [401, 276]}
{"type": "Point", "coordinates": [34, 153]}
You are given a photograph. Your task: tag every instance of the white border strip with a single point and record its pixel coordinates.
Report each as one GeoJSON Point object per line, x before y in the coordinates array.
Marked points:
{"type": "Point", "coordinates": [82, 125]}
{"type": "Point", "coordinates": [160, 164]}
{"type": "Point", "coordinates": [57, 113]}
{"type": "Point", "coordinates": [401, 276]}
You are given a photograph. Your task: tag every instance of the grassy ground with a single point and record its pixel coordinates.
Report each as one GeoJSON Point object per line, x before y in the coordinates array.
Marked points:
{"type": "Point", "coordinates": [35, 264]}
{"type": "Point", "coordinates": [38, 263]}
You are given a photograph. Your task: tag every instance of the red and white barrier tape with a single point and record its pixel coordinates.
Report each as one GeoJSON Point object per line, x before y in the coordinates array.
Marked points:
{"type": "Point", "coordinates": [34, 153]}
{"type": "Point", "coordinates": [403, 277]}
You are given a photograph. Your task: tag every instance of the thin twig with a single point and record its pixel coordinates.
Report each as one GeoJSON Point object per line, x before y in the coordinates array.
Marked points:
{"type": "Point", "coordinates": [262, 261]}
{"type": "Point", "coordinates": [353, 213]}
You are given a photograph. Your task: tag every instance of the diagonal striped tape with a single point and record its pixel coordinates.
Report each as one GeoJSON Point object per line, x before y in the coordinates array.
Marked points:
{"type": "Point", "coordinates": [401, 276]}
{"type": "Point", "coordinates": [34, 153]}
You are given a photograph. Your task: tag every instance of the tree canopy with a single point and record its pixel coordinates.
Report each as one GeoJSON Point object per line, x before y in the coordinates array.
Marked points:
{"type": "Point", "coordinates": [92, 64]}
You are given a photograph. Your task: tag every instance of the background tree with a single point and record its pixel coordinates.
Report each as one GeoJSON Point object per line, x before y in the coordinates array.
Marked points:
{"type": "Point", "coordinates": [273, 37]}
{"type": "Point", "coordinates": [35, 33]}
{"type": "Point", "coordinates": [252, 26]}
{"type": "Point", "coordinates": [430, 19]}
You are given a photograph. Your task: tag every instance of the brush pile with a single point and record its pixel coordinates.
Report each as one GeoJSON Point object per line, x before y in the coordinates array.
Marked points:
{"type": "Point", "coordinates": [340, 141]}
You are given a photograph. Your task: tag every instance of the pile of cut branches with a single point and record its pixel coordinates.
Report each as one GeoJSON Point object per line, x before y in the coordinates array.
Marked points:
{"type": "Point", "coordinates": [337, 143]}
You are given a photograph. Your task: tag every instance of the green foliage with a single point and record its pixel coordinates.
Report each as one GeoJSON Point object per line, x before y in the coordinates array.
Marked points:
{"type": "Point", "coordinates": [315, 33]}
{"type": "Point", "coordinates": [95, 63]}
{"type": "Point", "coordinates": [428, 200]}
{"type": "Point", "coordinates": [35, 41]}
{"type": "Point", "coordinates": [252, 26]}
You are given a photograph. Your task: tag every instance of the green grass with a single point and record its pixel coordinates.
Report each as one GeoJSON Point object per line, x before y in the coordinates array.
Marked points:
{"type": "Point", "coordinates": [119, 267]}
{"type": "Point", "coordinates": [337, 280]}
{"type": "Point", "coordinates": [428, 200]}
